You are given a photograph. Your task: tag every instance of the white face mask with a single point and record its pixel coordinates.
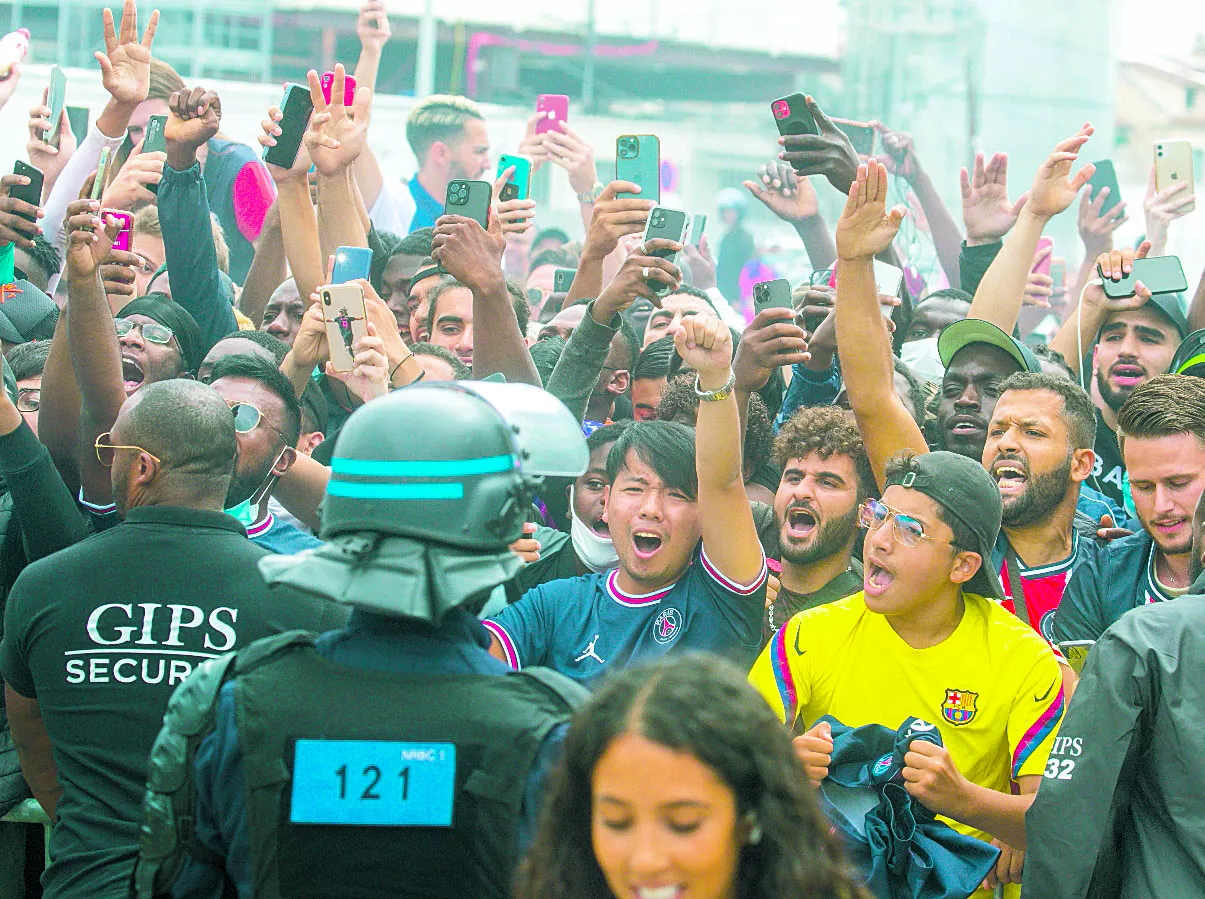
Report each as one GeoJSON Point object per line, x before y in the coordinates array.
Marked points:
{"type": "Point", "coordinates": [921, 356]}
{"type": "Point", "coordinates": [597, 553]}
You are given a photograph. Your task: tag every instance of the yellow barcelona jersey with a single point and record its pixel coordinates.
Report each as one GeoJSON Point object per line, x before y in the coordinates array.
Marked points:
{"type": "Point", "coordinates": [993, 687]}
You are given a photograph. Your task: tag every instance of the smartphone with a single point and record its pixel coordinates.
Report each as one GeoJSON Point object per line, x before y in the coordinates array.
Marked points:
{"type": "Point", "coordinates": [887, 278]}
{"type": "Point", "coordinates": [469, 198]}
{"type": "Point", "coordinates": [343, 311]}
{"type": "Point", "coordinates": [56, 98]}
{"type": "Point", "coordinates": [860, 135]}
{"type": "Point", "coordinates": [154, 140]}
{"type": "Point", "coordinates": [102, 172]}
{"type": "Point", "coordinates": [792, 116]}
{"type": "Point", "coordinates": [698, 224]}
{"type": "Point", "coordinates": [1104, 176]}
{"type": "Point", "coordinates": [125, 237]}
{"type": "Point", "coordinates": [1058, 274]}
{"type": "Point", "coordinates": [1076, 653]}
{"type": "Point", "coordinates": [1173, 165]}
{"type": "Point", "coordinates": [772, 295]}
{"type": "Point", "coordinates": [552, 109]}
{"type": "Point", "coordinates": [1043, 267]}
{"type": "Point", "coordinates": [351, 263]}
{"type": "Point", "coordinates": [672, 225]}
{"type": "Point", "coordinates": [77, 120]}
{"type": "Point", "coordinates": [638, 159]}
{"type": "Point", "coordinates": [349, 88]}
{"type": "Point", "coordinates": [519, 185]}
{"type": "Point", "coordinates": [31, 193]}
{"type": "Point", "coordinates": [1161, 274]}
{"type": "Point", "coordinates": [562, 279]}
{"type": "Point", "coordinates": [296, 107]}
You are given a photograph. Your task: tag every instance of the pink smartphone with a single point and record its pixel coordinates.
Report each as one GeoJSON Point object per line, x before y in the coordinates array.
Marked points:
{"type": "Point", "coordinates": [349, 88]}
{"type": "Point", "coordinates": [552, 109]}
{"type": "Point", "coordinates": [1043, 267]}
{"type": "Point", "coordinates": [125, 237]}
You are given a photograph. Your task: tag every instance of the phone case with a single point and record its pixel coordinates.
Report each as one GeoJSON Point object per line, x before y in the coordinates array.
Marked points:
{"type": "Point", "coordinates": [552, 109]}
{"type": "Point", "coordinates": [1161, 274]}
{"type": "Point", "coordinates": [562, 279]}
{"type": "Point", "coordinates": [56, 98]}
{"type": "Point", "coordinates": [32, 192]}
{"type": "Point", "coordinates": [860, 135]}
{"type": "Point", "coordinates": [351, 263]}
{"type": "Point", "coordinates": [519, 185]}
{"type": "Point", "coordinates": [698, 224]}
{"type": "Point", "coordinates": [102, 172]}
{"type": "Point", "coordinates": [1173, 165]}
{"type": "Point", "coordinates": [296, 107]}
{"type": "Point", "coordinates": [343, 310]}
{"type": "Point", "coordinates": [125, 237]}
{"type": "Point", "coordinates": [469, 198]}
{"type": "Point", "coordinates": [349, 88]}
{"type": "Point", "coordinates": [792, 116]}
{"type": "Point", "coordinates": [774, 294]}
{"type": "Point", "coordinates": [78, 118]}
{"type": "Point", "coordinates": [1104, 176]}
{"type": "Point", "coordinates": [1043, 267]}
{"type": "Point", "coordinates": [887, 278]}
{"type": "Point", "coordinates": [155, 139]}
{"type": "Point", "coordinates": [638, 159]}
{"type": "Point", "coordinates": [672, 225]}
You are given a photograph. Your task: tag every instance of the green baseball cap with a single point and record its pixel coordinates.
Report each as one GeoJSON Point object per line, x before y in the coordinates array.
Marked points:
{"type": "Point", "coordinates": [963, 488]}
{"type": "Point", "coordinates": [961, 334]}
{"type": "Point", "coordinates": [1190, 357]}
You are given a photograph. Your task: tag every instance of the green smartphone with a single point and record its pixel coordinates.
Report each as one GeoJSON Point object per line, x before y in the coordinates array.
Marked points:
{"type": "Point", "coordinates": [638, 159]}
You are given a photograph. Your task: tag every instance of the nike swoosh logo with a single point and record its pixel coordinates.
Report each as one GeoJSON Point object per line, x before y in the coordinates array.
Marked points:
{"type": "Point", "coordinates": [1042, 698]}
{"type": "Point", "coordinates": [798, 651]}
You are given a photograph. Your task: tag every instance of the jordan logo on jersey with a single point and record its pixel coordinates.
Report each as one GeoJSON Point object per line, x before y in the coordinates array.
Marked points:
{"type": "Point", "coordinates": [959, 707]}
{"type": "Point", "coordinates": [667, 625]}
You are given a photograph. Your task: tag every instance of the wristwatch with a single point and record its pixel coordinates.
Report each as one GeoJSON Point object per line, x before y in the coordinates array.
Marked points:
{"type": "Point", "coordinates": [592, 195]}
{"type": "Point", "coordinates": [716, 396]}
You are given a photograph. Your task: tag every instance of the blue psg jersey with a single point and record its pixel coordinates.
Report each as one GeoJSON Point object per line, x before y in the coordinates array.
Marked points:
{"type": "Point", "coordinates": [585, 626]}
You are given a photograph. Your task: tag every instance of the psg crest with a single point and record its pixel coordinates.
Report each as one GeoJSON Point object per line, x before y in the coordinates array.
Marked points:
{"type": "Point", "coordinates": [959, 707]}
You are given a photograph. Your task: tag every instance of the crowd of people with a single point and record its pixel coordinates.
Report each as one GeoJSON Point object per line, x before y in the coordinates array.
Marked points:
{"type": "Point", "coordinates": [647, 591]}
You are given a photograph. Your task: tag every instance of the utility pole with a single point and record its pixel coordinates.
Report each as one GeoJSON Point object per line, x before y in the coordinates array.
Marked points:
{"type": "Point", "coordinates": [424, 77]}
{"type": "Point", "coordinates": [588, 68]}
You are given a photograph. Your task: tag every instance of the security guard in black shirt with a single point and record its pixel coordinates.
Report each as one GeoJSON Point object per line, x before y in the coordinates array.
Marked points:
{"type": "Point", "coordinates": [394, 756]}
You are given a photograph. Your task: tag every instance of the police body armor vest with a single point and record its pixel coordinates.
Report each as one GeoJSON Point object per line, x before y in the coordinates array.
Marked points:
{"type": "Point", "coordinates": [294, 704]}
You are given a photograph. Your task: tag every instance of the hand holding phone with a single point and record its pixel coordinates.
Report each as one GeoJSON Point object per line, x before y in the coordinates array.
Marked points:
{"type": "Point", "coordinates": [638, 160]}
{"type": "Point", "coordinates": [351, 263]}
{"type": "Point", "coordinates": [793, 116]}
{"type": "Point", "coordinates": [1173, 165]}
{"type": "Point", "coordinates": [668, 224]}
{"type": "Point", "coordinates": [296, 107]}
{"type": "Point", "coordinates": [125, 236]}
{"type": "Point", "coordinates": [346, 321]}
{"type": "Point", "coordinates": [551, 111]}
{"type": "Point", "coordinates": [30, 193]}
{"type": "Point", "coordinates": [774, 294]}
{"type": "Point", "coordinates": [518, 186]}
{"type": "Point", "coordinates": [1159, 274]}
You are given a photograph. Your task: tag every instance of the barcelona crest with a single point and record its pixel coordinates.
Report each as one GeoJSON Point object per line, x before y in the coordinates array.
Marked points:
{"type": "Point", "coordinates": [959, 707]}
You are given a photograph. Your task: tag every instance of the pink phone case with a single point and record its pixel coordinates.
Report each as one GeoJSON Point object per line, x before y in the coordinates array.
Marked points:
{"type": "Point", "coordinates": [1043, 267]}
{"type": "Point", "coordinates": [127, 228]}
{"type": "Point", "coordinates": [552, 108]}
{"type": "Point", "coordinates": [349, 88]}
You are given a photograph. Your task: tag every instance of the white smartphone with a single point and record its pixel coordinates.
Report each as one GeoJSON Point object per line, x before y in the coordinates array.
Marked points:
{"type": "Point", "coordinates": [887, 279]}
{"type": "Point", "coordinates": [1173, 165]}
{"type": "Point", "coordinates": [343, 311]}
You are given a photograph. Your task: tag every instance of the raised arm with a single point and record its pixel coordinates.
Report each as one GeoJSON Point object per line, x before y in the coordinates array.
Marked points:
{"type": "Point", "coordinates": [1162, 207]}
{"type": "Point", "coordinates": [866, 227]}
{"type": "Point", "coordinates": [372, 28]}
{"type": "Point", "coordinates": [793, 199]}
{"type": "Point", "coordinates": [269, 268]}
{"type": "Point", "coordinates": [334, 144]}
{"type": "Point", "coordinates": [611, 219]}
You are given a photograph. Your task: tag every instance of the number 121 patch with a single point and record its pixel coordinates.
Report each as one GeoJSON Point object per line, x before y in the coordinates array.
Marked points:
{"type": "Point", "coordinates": [373, 782]}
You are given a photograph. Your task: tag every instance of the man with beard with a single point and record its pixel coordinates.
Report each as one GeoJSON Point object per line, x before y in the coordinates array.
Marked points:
{"type": "Point", "coordinates": [267, 421]}
{"type": "Point", "coordinates": [1162, 431]}
{"type": "Point", "coordinates": [1039, 451]}
{"type": "Point", "coordinates": [825, 478]}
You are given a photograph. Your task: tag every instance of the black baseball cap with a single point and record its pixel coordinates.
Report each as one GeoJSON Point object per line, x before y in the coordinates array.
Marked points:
{"type": "Point", "coordinates": [1172, 306]}
{"type": "Point", "coordinates": [963, 488]}
{"type": "Point", "coordinates": [961, 334]}
{"type": "Point", "coordinates": [28, 314]}
{"type": "Point", "coordinates": [1190, 357]}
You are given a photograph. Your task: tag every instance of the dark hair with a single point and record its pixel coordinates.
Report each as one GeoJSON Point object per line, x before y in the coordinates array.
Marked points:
{"type": "Point", "coordinates": [631, 340]}
{"type": "Point", "coordinates": [519, 303]}
{"type": "Point", "coordinates": [274, 345]}
{"type": "Point", "coordinates": [905, 461]}
{"type": "Point", "coordinates": [558, 256]}
{"type": "Point", "coordinates": [416, 243]}
{"type": "Point", "coordinates": [654, 360]}
{"type": "Point", "coordinates": [460, 371]}
{"type": "Point", "coordinates": [607, 434]}
{"type": "Point", "coordinates": [1045, 353]}
{"type": "Point", "coordinates": [444, 286]}
{"type": "Point", "coordinates": [688, 290]}
{"type": "Point", "coordinates": [545, 233]}
{"type": "Point", "coordinates": [256, 368]}
{"type": "Point", "coordinates": [46, 255]}
{"type": "Point", "coordinates": [545, 354]}
{"type": "Point", "coordinates": [916, 389]}
{"type": "Point", "coordinates": [1079, 414]}
{"type": "Point", "coordinates": [188, 428]}
{"type": "Point", "coordinates": [736, 736]}
{"type": "Point", "coordinates": [28, 360]}
{"type": "Point", "coordinates": [946, 293]}
{"type": "Point", "coordinates": [1164, 406]}
{"type": "Point", "coordinates": [666, 447]}
{"type": "Point", "coordinates": [680, 399]}
{"type": "Point", "coordinates": [827, 431]}
{"type": "Point", "coordinates": [315, 414]}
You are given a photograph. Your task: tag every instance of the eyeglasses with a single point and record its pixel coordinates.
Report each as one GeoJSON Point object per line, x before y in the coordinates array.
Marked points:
{"type": "Point", "coordinates": [820, 277]}
{"type": "Point", "coordinates": [29, 399]}
{"type": "Point", "coordinates": [106, 452]}
{"type": "Point", "coordinates": [873, 514]}
{"type": "Point", "coordinates": [247, 418]}
{"type": "Point", "coordinates": [152, 331]}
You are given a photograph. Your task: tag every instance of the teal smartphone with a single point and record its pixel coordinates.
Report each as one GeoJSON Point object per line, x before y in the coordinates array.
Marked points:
{"type": "Point", "coordinates": [56, 99]}
{"type": "Point", "coordinates": [1104, 176]}
{"type": "Point", "coordinates": [518, 186]}
{"type": "Point", "coordinates": [351, 263]}
{"type": "Point", "coordinates": [638, 159]}
{"type": "Point", "coordinates": [1160, 274]}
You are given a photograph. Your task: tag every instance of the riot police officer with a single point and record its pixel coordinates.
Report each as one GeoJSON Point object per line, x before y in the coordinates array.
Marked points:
{"type": "Point", "coordinates": [394, 756]}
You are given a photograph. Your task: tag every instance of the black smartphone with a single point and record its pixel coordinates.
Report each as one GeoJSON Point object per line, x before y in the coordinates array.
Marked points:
{"type": "Point", "coordinates": [1104, 176]}
{"type": "Point", "coordinates": [154, 140]}
{"type": "Point", "coordinates": [31, 193]}
{"type": "Point", "coordinates": [792, 116]}
{"type": "Point", "coordinates": [774, 294]}
{"type": "Point", "coordinates": [562, 278]}
{"type": "Point", "coordinates": [470, 199]}
{"type": "Point", "coordinates": [861, 136]}
{"type": "Point", "coordinates": [296, 107]}
{"type": "Point", "coordinates": [77, 118]}
{"type": "Point", "coordinates": [638, 159]}
{"type": "Point", "coordinates": [1160, 274]}
{"type": "Point", "coordinates": [670, 224]}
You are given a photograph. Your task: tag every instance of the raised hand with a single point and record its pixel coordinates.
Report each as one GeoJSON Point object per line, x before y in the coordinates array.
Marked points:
{"type": "Point", "coordinates": [301, 162]}
{"type": "Point", "coordinates": [15, 228]}
{"type": "Point", "coordinates": [987, 212]}
{"type": "Point", "coordinates": [468, 252]}
{"type": "Point", "coordinates": [1095, 227]}
{"type": "Point", "coordinates": [89, 238]}
{"type": "Point", "coordinates": [515, 216]}
{"type": "Point", "coordinates": [771, 340]}
{"type": "Point", "coordinates": [1115, 265]}
{"type": "Point", "coordinates": [195, 116]}
{"type": "Point", "coordinates": [310, 348]}
{"type": "Point", "coordinates": [369, 376]}
{"type": "Point", "coordinates": [1039, 287]}
{"type": "Point", "coordinates": [570, 151]}
{"type": "Point", "coordinates": [533, 146]}
{"type": "Point", "coordinates": [1162, 207]}
{"type": "Point", "coordinates": [899, 152]}
{"type": "Point", "coordinates": [705, 345]}
{"type": "Point", "coordinates": [372, 27]}
{"type": "Point", "coordinates": [1053, 187]}
{"type": "Point", "coordinates": [867, 227]}
{"type": "Point", "coordinates": [632, 280]}
{"type": "Point", "coordinates": [335, 142]}
{"type": "Point", "coordinates": [828, 153]}
{"type": "Point", "coordinates": [784, 193]}
{"type": "Point", "coordinates": [615, 218]}
{"type": "Point", "coordinates": [132, 184]}
{"type": "Point", "coordinates": [125, 66]}
{"type": "Point", "coordinates": [42, 156]}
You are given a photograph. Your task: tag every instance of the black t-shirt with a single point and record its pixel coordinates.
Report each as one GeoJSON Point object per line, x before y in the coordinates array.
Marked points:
{"type": "Point", "coordinates": [101, 634]}
{"type": "Point", "coordinates": [1109, 471]}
